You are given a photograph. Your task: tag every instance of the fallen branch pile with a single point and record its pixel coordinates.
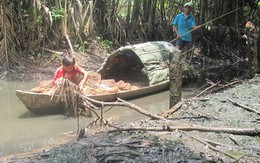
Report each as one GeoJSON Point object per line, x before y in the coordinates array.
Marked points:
{"type": "Point", "coordinates": [91, 104]}
{"type": "Point", "coordinates": [215, 87]}
{"type": "Point", "coordinates": [119, 102]}
{"type": "Point", "coordinates": [167, 123]}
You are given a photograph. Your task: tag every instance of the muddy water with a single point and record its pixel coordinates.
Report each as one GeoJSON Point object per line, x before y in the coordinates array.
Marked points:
{"type": "Point", "coordinates": [22, 131]}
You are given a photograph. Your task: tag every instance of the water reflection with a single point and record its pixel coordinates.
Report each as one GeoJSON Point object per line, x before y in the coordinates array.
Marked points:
{"type": "Point", "coordinates": [21, 130]}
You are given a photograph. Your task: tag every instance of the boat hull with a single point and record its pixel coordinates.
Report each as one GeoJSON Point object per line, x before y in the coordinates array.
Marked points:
{"type": "Point", "coordinates": [42, 103]}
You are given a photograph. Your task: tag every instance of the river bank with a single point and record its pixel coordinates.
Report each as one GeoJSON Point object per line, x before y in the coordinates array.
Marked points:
{"type": "Point", "coordinates": [44, 65]}
{"type": "Point", "coordinates": [160, 141]}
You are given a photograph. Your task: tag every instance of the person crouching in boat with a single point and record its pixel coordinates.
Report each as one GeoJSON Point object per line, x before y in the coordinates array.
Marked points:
{"type": "Point", "coordinates": [71, 71]}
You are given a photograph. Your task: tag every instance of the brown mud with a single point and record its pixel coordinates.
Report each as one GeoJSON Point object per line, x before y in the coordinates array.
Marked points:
{"type": "Point", "coordinates": [236, 108]}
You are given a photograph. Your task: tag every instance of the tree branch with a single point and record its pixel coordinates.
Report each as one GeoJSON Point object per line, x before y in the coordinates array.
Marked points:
{"type": "Point", "coordinates": [124, 103]}
{"type": "Point", "coordinates": [243, 106]}
{"type": "Point", "coordinates": [235, 131]}
{"type": "Point", "coordinates": [172, 110]}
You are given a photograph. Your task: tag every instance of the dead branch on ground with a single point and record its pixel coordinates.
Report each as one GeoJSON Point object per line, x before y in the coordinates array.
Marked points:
{"type": "Point", "coordinates": [207, 89]}
{"type": "Point", "coordinates": [243, 106]}
{"type": "Point", "coordinates": [215, 87]}
{"type": "Point", "coordinates": [228, 85]}
{"type": "Point", "coordinates": [123, 103]}
{"type": "Point", "coordinates": [172, 110]}
{"type": "Point", "coordinates": [235, 131]}
{"type": "Point", "coordinates": [53, 51]}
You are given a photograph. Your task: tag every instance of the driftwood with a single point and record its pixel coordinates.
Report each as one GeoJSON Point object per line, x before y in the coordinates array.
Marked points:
{"type": "Point", "coordinates": [235, 131]}
{"type": "Point", "coordinates": [243, 106]}
{"type": "Point", "coordinates": [124, 103]}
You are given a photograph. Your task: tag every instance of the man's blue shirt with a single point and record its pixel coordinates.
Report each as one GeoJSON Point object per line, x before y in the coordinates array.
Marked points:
{"type": "Point", "coordinates": [184, 24]}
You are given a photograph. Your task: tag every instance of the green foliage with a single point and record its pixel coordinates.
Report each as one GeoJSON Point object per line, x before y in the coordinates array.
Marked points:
{"type": "Point", "coordinates": [29, 26]}
{"type": "Point", "coordinates": [38, 15]}
{"type": "Point", "coordinates": [209, 25]}
{"type": "Point", "coordinates": [57, 14]}
{"type": "Point", "coordinates": [9, 57]}
{"type": "Point", "coordinates": [106, 43]}
{"type": "Point", "coordinates": [81, 47]}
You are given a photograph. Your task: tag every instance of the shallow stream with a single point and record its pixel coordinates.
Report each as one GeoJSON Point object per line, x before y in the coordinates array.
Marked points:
{"type": "Point", "coordinates": [22, 131]}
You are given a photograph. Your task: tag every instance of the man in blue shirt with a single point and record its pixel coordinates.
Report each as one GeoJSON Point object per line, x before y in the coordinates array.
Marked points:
{"type": "Point", "coordinates": [183, 23]}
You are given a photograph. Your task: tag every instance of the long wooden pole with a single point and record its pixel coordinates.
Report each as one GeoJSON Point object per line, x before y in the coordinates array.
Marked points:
{"type": "Point", "coordinates": [235, 131]}
{"type": "Point", "coordinates": [206, 23]}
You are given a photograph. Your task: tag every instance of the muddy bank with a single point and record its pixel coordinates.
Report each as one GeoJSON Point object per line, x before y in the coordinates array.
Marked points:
{"type": "Point", "coordinates": [158, 141]}
{"type": "Point", "coordinates": [42, 66]}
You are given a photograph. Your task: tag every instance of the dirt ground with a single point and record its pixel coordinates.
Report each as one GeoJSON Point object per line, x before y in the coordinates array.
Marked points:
{"type": "Point", "coordinates": [207, 128]}
{"type": "Point", "coordinates": [43, 67]}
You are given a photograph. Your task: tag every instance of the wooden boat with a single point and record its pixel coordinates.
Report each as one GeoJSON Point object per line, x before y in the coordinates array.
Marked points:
{"type": "Point", "coordinates": [40, 103]}
{"type": "Point", "coordinates": [146, 58]}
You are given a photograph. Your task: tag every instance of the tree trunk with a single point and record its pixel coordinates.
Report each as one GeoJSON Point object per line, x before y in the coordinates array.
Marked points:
{"type": "Point", "coordinates": [175, 75]}
{"type": "Point", "coordinates": [162, 10]}
{"type": "Point", "coordinates": [136, 11]}
{"type": "Point", "coordinates": [100, 13]}
{"type": "Point", "coordinates": [252, 37]}
{"type": "Point", "coordinates": [258, 53]}
{"type": "Point", "coordinates": [202, 11]}
{"type": "Point", "coordinates": [229, 6]}
{"type": "Point", "coordinates": [128, 12]}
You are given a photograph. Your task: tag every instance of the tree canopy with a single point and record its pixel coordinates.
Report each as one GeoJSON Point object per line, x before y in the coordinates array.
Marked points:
{"type": "Point", "coordinates": [29, 25]}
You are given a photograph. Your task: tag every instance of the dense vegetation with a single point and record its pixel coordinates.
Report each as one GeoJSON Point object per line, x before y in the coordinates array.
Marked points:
{"type": "Point", "coordinates": [28, 26]}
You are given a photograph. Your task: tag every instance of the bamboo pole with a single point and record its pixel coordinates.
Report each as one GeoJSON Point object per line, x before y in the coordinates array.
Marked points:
{"type": "Point", "coordinates": [206, 23]}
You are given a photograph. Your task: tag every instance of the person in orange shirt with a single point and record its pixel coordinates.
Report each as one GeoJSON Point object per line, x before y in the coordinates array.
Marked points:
{"type": "Point", "coordinates": [71, 71]}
